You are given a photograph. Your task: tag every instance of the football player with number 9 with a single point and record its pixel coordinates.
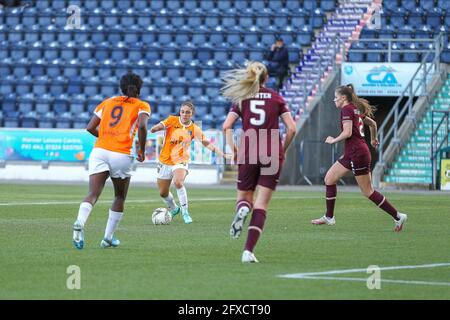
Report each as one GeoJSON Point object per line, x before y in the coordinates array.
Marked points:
{"type": "Point", "coordinates": [115, 123]}
{"type": "Point", "coordinates": [355, 113]}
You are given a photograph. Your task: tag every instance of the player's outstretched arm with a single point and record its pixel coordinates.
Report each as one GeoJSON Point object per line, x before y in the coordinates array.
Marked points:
{"type": "Point", "coordinates": [157, 127]}
{"type": "Point", "coordinates": [92, 125]}
{"type": "Point", "coordinates": [227, 128]}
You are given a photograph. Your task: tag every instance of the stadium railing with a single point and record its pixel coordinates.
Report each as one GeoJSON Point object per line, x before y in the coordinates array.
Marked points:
{"type": "Point", "coordinates": [388, 132]}
{"type": "Point", "coordinates": [436, 143]}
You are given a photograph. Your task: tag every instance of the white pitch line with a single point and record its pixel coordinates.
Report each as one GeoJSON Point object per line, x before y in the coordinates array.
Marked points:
{"type": "Point", "coordinates": [430, 283]}
{"type": "Point", "coordinates": [301, 275]}
{"type": "Point", "coordinates": [323, 275]}
{"type": "Point", "coordinates": [6, 204]}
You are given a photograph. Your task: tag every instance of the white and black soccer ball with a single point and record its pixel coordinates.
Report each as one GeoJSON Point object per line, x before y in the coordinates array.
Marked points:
{"type": "Point", "coordinates": [161, 216]}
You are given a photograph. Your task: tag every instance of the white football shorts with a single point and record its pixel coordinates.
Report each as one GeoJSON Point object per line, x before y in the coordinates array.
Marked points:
{"type": "Point", "coordinates": [118, 164]}
{"type": "Point", "coordinates": [165, 172]}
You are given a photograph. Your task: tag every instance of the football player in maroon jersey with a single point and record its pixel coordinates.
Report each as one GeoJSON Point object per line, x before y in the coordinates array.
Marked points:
{"type": "Point", "coordinates": [261, 153]}
{"type": "Point", "coordinates": [355, 113]}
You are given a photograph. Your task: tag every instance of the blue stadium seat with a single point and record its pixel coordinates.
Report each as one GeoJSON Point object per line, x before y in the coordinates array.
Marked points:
{"type": "Point", "coordinates": [190, 74]}
{"type": "Point", "coordinates": [397, 21]}
{"type": "Point", "coordinates": [328, 5]}
{"type": "Point", "coordinates": [144, 21]}
{"type": "Point", "coordinates": [173, 5]}
{"type": "Point", "coordinates": [267, 39]}
{"type": "Point", "coordinates": [178, 90]}
{"type": "Point", "coordinates": [164, 39]}
{"type": "Point", "coordinates": [190, 5]}
{"type": "Point", "coordinates": [229, 23]}
{"type": "Point", "coordinates": [181, 39]}
{"type": "Point", "coordinates": [221, 55]}
{"type": "Point", "coordinates": [114, 37]}
{"type": "Point", "coordinates": [46, 121]}
{"type": "Point", "coordinates": [239, 56]}
{"type": "Point", "coordinates": [195, 91]}
{"type": "Point", "coordinates": [29, 120]}
{"type": "Point", "coordinates": [208, 75]}
{"type": "Point", "coordinates": [204, 55]}
{"type": "Point", "coordinates": [186, 56]}
{"type": "Point", "coordinates": [251, 39]}
{"type": "Point", "coordinates": [11, 119]}
{"type": "Point", "coordinates": [262, 22]}
{"type": "Point", "coordinates": [294, 55]}
{"type": "Point", "coordinates": [56, 88]}
{"type": "Point", "coordinates": [39, 88]}
{"type": "Point", "coordinates": [390, 5]}
{"type": "Point", "coordinates": [42, 106]}
{"type": "Point", "coordinates": [5, 71]}
{"type": "Point", "coordinates": [156, 5]}
{"type": "Point", "coordinates": [199, 39]}
{"type": "Point", "coordinates": [201, 109]}
{"type": "Point", "coordinates": [169, 55]}
{"type": "Point", "coordinates": [90, 88]}
{"type": "Point", "coordinates": [108, 89]}
{"type": "Point", "coordinates": [434, 20]}
{"type": "Point", "coordinates": [60, 106]}
{"type": "Point", "coordinates": [233, 39]}
{"type": "Point", "coordinates": [135, 55]}
{"type": "Point", "coordinates": [256, 55]}
{"type": "Point", "coordinates": [25, 105]}
{"type": "Point", "coordinates": [211, 22]}
{"type": "Point", "coordinates": [21, 87]}
{"type": "Point", "coordinates": [194, 22]}
{"type": "Point", "coordinates": [246, 21]}
{"type": "Point", "coordinates": [218, 110]}
{"type": "Point", "coordinates": [9, 105]}
{"type": "Point", "coordinates": [216, 40]}
{"type": "Point", "coordinates": [64, 121]}
{"type": "Point", "coordinates": [107, 4]}
{"type": "Point", "coordinates": [309, 5]}
{"type": "Point", "coordinates": [444, 5]}
{"type": "Point", "coordinates": [165, 109]}
{"type": "Point", "coordinates": [409, 5]}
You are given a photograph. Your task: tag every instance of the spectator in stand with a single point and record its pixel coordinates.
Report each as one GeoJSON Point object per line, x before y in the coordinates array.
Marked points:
{"type": "Point", "coordinates": [278, 62]}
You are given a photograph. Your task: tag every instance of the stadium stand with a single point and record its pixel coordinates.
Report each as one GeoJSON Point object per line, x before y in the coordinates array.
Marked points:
{"type": "Point", "coordinates": [413, 165]}
{"type": "Point", "coordinates": [179, 48]}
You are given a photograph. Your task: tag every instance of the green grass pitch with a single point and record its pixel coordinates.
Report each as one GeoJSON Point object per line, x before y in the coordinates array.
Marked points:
{"type": "Point", "coordinates": [200, 261]}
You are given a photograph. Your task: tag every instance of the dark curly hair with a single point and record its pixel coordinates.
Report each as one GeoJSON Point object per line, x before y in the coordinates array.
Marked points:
{"type": "Point", "coordinates": [131, 84]}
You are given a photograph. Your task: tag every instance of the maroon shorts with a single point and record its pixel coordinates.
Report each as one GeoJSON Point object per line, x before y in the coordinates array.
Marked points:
{"type": "Point", "coordinates": [251, 175]}
{"type": "Point", "coordinates": [358, 163]}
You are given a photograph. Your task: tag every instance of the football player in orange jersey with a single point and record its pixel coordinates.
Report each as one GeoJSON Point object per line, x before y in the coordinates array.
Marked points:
{"type": "Point", "coordinates": [174, 156]}
{"type": "Point", "coordinates": [115, 122]}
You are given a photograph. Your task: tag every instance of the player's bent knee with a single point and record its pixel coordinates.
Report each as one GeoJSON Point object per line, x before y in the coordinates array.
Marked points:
{"type": "Point", "coordinates": [178, 184]}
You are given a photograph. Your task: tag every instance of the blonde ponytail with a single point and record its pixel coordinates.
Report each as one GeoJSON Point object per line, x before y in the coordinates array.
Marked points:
{"type": "Point", "coordinates": [244, 83]}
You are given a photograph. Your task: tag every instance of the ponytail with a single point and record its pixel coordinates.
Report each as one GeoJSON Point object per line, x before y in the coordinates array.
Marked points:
{"type": "Point", "coordinates": [363, 105]}
{"type": "Point", "coordinates": [244, 83]}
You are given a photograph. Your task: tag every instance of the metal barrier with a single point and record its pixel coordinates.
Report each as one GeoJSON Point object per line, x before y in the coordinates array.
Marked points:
{"type": "Point", "coordinates": [319, 143]}
{"type": "Point", "coordinates": [436, 145]}
{"type": "Point", "coordinates": [388, 132]}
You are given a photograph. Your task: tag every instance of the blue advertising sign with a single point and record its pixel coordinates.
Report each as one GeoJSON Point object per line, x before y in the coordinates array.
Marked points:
{"type": "Point", "coordinates": [76, 145]}
{"type": "Point", "coordinates": [45, 145]}
{"type": "Point", "coordinates": [381, 79]}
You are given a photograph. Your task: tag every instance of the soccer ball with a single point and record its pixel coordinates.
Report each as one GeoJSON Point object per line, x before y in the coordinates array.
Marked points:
{"type": "Point", "coordinates": [161, 216]}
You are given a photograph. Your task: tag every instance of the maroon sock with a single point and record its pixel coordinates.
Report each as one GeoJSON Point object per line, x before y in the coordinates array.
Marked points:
{"type": "Point", "coordinates": [331, 191]}
{"type": "Point", "coordinates": [243, 203]}
{"type": "Point", "coordinates": [382, 203]}
{"type": "Point", "coordinates": [255, 228]}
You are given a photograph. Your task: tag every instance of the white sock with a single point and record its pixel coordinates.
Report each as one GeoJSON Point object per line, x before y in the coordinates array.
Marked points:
{"type": "Point", "coordinates": [113, 222]}
{"type": "Point", "coordinates": [83, 212]}
{"type": "Point", "coordinates": [182, 197]}
{"type": "Point", "coordinates": [170, 202]}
